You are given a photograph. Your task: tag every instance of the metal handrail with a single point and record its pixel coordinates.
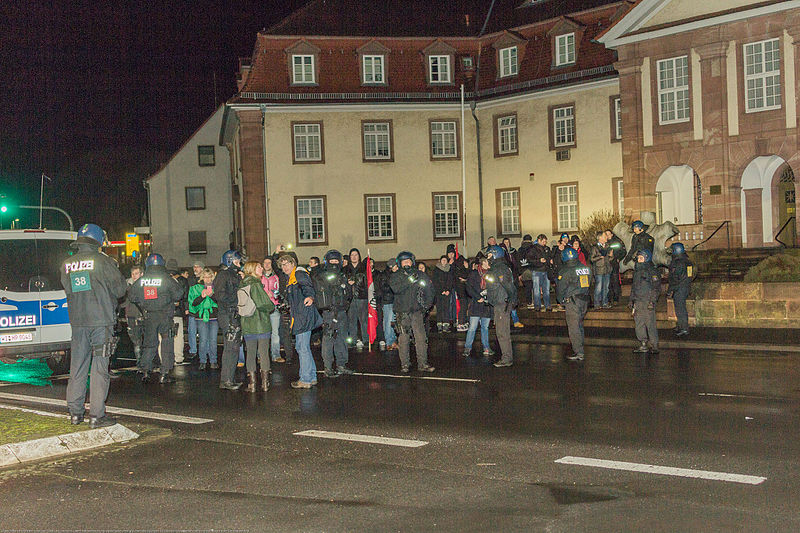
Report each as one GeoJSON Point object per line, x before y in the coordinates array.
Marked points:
{"type": "Point", "coordinates": [725, 223]}
{"type": "Point", "coordinates": [785, 225]}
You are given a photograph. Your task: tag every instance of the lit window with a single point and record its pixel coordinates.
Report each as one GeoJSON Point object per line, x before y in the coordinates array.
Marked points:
{"type": "Point", "coordinates": [380, 217]}
{"type": "Point", "coordinates": [439, 69]}
{"type": "Point", "coordinates": [377, 140]}
{"type": "Point", "coordinates": [567, 207]}
{"type": "Point", "coordinates": [565, 49]}
{"type": "Point", "coordinates": [507, 134]}
{"type": "Point", "coordinates": [508, 62]}
{"type": "Point", "coordinates": [373, 69]}
{"type": "Point", "coordinates": [307, 142]}
{"type": "Point", "coordinates": [762, 75]}
{"type": "Point", "coordinates": [617, 125]}
{"type": "Point", "coordinates": [673, 90]}
{"type": "Point", "coordinates": [303, 69]}
{"type": "Point", "coordinates": [564, 126]}
{"type": "Point", "coordinates": [446, 216]}
{"type": "Point", "coordinates": [310, 219]}
{"type": "Point", "coordinates": [443, 139]}
{"type": "Point", "coordinates": [509, 212]}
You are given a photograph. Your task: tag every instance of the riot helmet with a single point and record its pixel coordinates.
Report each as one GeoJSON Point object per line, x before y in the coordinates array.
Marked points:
{"type": "Point", "coordinates": [677, 248]}
{"type": "Point", "coordinates": [230, 256]}
{"type": "Point", "coordinates": [568, 254]}
{"type": "Point", "coordinates": [154, 260]}
{"type": "Point", "coordinates": [91, 234]}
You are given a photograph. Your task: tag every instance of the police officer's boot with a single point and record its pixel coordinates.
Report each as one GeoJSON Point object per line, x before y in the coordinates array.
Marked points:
{"type": "Point", "coordinates": [251, 382]}
{"type": "Point", "coordinates": [265, 380]}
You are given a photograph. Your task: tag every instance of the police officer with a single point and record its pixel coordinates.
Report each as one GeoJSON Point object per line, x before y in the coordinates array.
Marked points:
{"type": "Point", "coordinates": [332, 300]}
{"type": "Point", "coordinates": [226, 285]}
{"type": "Point", "coordinates": [641, 240]}
{"type": "Point", "coordinates": [93, 285]}
{"type": "Point", "coordinates": [156, 292]}
{"type": "Point", "coordinates": [681, 273]}
{"type": "Point", "coordinates": [501, 294]}
{"type": "Point", "coordinates": [572, 291]}
{"type": "Point", "coordinates": [413, 296]}
{"type": "Point", "coordinates": [645, 290]}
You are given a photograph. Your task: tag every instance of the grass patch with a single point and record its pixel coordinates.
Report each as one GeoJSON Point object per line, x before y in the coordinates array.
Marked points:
{"type": "Point", "coordinates": [784, 266]}
{"type": "Point", "coordinates": [19, 426]}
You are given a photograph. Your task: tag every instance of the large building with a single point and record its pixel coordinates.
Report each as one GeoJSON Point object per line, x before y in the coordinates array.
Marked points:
{"type": "Point", "coordinates": [710, 105]}
{"type": "Point", "coordinates": [189, 199]}
{"type": "Point", "coordinates": [348, 128]}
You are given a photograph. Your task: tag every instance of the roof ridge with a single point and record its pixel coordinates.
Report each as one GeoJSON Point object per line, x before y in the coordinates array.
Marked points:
{"type": "Point", "coordinates": [292, 15]}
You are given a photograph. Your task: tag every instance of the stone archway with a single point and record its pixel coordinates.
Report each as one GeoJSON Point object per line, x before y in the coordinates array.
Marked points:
{"type": "Point", "coordinates": [758, 200]}
{"type": "Point", "coordinates": [678, 196]}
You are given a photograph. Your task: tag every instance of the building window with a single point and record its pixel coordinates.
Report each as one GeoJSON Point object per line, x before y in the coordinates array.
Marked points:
{"type": "Point", "coordinates": [565, 207]}
{"type": "Point", "coordinates": [377, 141]}
{"type": "Point", "coordinates": [565, 49]}
{"type": "Point", "coordinates": [508, 62]}
{"type": "Point", "coordinates": [373, 69]}
{"type": "Point", "coordinates": [446, 215]}
{"type": "Point", "coordinates": [616, 118]}
{"type": "Point", "coordinates": [508, 222]}
{"type": "Point", "coordinates": [673, 90]}
{"type": "Point", "coordinates": [439, 69]}
{"type": "Point", "coordinates": [195, 198]}
{"type": "Point", "coordinates": [197, 242]}
{"type": "Point", "coordinates": [467, 63]}
{"type": "Point", "coordinates": [444, 143]}
{"type": "Point", "coordinates": [507, 135]}
{"type": "Point", "coordinates": [564, 126]}
{"type": "Point", "coordinates": [762, 75]}
{"type": "Point", "coordinates": [307, 142]}
{"type": "Point", "coordinates": [302, 69]}
{"type": "Point", "coordinates": [380, 217]}
{"type": "Point", "coordinates": [619, 196]}
{"type": "Point", "coordinates": [205, 156]}
{"type": "Point", "coordinates": [312, 219]}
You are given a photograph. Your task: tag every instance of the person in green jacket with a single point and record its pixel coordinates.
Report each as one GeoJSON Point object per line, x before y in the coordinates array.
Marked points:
{"type": "Point", "coordinates": [204, 310]}
{"type": "Point", "coordinates": [256, 328]}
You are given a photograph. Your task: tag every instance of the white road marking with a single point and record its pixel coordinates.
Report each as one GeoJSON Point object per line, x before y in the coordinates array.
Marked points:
{"type": "Point", "coordinates": [362, 438]}
{"type": "Point", "coordinates": [405, 376]}
{"type": "Point", "coordinates": [113, 410]}
{"type": "Point", "coordinates": [663, 470]}
{"type": "Point", "coordinates": [34, 411]}
{"type": "Point", "coordinates": [748, 396]}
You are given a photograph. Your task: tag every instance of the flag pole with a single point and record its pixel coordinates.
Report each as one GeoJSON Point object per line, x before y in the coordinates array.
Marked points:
{"type": "Point", "coordinates": [369, 339]}
{"type": "Point", "coordinates": [41, 200]}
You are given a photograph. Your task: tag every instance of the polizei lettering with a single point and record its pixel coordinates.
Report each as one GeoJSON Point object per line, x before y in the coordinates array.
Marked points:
{"type": "Point", "coordinates": [75, 266]}
{"type": "Point", "coordinates": [17, 321]}
{"type": "Point", "coordinates": [151, 282]}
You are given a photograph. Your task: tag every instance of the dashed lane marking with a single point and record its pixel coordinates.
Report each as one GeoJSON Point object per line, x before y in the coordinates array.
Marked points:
{"type": "Point", "coordinates": [113, 410]}
{"type": "Point", "coordinates": [354, 437]}
{"type": "Point", "coordinates": [662, 470]}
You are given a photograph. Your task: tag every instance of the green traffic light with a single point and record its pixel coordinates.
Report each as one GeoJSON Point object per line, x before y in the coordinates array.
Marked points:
{"type": "Point", "coordinates": [3, 209]}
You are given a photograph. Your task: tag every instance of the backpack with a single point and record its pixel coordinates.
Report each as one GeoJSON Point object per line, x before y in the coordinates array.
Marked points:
{"type": "Point", "coordinates": [328, 295]}
{"type": "Point", "coordinates": [246, 305]}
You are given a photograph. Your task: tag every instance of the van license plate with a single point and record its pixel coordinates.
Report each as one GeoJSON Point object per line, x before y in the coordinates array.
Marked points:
{"type": "Point", "coordinates": [16, 337]}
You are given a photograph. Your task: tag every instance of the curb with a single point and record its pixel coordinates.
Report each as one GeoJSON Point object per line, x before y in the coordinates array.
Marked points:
{"type": "Point", "coordinates": [32, 450]}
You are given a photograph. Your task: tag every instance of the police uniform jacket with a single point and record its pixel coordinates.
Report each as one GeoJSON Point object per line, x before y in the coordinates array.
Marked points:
{"type": "Point", "coordinates": [646, 287]}
{"type": "Point", "coordinates": [681, 272]}
{"type": "Point", "coordinates": [226, 284]}
{"type": "Point", "coordinates": [298, 288]}
{"type": "Point", "coordinates": [574, 279]}
{"type": "Point", "coordinates": [413, 290]}
{"type": "Point", "coordinates": [332, 281]}
{"type": "Point", "coordinates": [500, 287]}
{"type": "Point", "coordinates": [94, 285]}
{"type": "Point", "coordinates": [156, 291]}
{"type": "Point", "coordinates": [640, 241]}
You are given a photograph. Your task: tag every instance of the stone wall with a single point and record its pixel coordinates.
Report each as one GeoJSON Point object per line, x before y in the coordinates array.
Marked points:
{"type": "Point", "coordinates": [739, 304]}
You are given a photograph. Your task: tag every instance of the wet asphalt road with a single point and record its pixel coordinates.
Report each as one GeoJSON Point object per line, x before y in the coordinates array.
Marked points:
{"type": "Point", "coordinates": [488, 465]}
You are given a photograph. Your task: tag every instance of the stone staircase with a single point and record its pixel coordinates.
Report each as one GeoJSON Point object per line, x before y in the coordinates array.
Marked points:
{"type": "Point", "coordinates": [729, 265]}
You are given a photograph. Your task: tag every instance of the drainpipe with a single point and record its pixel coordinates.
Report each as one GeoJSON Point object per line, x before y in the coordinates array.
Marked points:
{"type": "Point", "coordinates": [473, 105]}
{"type": "Point", "coordinates": [266, 187]}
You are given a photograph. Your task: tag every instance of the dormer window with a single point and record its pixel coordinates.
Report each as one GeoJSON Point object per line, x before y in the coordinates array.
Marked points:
{"type": "Point", "coordinates": [508, 62]}
{"type": "Point", "coordinates": [467, 63]}
{"type": "Point", "coordinates": [565, 49]}
{"type": "Point", "coordinates": [373, 60]}
{"type": "Point", "coordinates": [372, 67]}
{"type": "Point", "coordinates": [303, 69]}
{"type": "Point", "coordinates": [439, 69]}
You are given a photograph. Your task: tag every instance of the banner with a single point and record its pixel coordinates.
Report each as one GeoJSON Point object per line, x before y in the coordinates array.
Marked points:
{"type": "Point", "coordinates": [372, 319]}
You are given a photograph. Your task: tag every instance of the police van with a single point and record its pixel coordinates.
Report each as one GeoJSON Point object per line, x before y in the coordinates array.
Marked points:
{"type": "Point", "coordinates": [34, 323]}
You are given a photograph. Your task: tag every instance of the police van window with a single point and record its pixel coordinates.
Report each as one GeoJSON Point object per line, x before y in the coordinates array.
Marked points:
{"type": "Point", "coordinates": [18, 265]}
{"type": "Point", "coordinates": [51, 252]}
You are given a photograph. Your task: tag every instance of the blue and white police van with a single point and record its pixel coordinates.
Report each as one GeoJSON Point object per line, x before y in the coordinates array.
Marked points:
{"type": "Point", "coordinates": [34, 323]}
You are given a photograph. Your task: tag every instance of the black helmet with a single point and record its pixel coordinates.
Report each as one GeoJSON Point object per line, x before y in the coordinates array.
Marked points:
{"type": "Point", "coordinates": [333, 254]}
{"type": "Point", "coordinates": [402, 256]}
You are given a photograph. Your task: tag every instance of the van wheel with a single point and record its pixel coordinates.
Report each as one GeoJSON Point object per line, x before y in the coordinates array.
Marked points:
{"type": "Point", "coordinates": [59, 363]}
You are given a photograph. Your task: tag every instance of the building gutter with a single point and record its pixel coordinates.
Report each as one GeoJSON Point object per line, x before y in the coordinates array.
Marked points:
{"type": "Point", "coordinates": [266, 186]}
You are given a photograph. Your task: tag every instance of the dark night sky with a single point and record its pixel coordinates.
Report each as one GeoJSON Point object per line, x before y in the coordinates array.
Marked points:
{"type": "Point", "coordinates": [99, 94]}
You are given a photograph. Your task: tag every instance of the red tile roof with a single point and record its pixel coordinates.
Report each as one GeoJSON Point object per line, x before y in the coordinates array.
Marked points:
{"type": "Point", "coordinates": [338, 60]}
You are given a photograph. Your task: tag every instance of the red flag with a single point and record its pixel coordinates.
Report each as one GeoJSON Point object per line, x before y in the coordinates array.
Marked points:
{"type": "Point", "coordinates": [372, 319]}
{"type": "Point", "coordinates": [458, 300]}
